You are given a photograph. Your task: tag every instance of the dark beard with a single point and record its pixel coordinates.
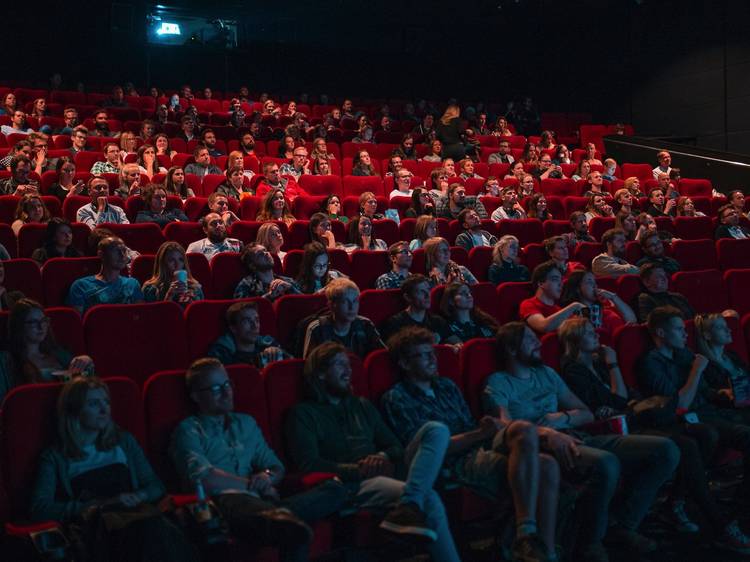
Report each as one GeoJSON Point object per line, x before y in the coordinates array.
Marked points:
{"type": "Point", "coordinates": [338, 392]}
{"type": "Point", "coordinates": [216, 238]}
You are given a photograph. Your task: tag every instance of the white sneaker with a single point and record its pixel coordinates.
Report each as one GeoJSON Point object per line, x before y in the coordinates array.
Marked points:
{"type": "Point", "coordinates": [734, 539]}
{"type": "Point", "coordinates": [679, 519]}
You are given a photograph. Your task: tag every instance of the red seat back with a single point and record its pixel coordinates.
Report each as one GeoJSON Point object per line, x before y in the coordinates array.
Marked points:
{"type": "Point", "coordinates": [695, 254]}
{"type": "Point", "coordinates": [227, 271]}
{"type": "Point", "coordinates": [144, 237]}
{"type": "Point", "coordinates": [733, 254]}
{"type": "Point", "coordinates": [509, 296]}
{"type": "Point", "coordinates": [478, 359]}
{"type": "Point", "coordinates": [58, 274]}
{"type": "Point", "coordinates": [631, 342]}
{"type": "Point", "coordinates": [526, 230]}
{"type": "Point", "coordinates": [367, 266]}
{"type": "Point", "coordinates": [184, 233]}
{"type": "Point", "coordinates": [294, 308]}
{"type": "Point", "coordinates": [380, 304]}
{"type": "Point", "coordinates": [704, 289]}
{"type": "Point", "coordinates": [694, 228]}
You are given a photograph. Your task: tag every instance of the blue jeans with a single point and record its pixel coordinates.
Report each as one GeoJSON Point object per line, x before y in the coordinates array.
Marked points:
{"type": "Point", "coordinates": [424, 456]}
{"type": "Point", "coordinates": [645, 462]}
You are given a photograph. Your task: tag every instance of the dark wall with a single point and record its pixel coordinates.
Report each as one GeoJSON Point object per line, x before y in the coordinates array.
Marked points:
{"type": "Point", "coordinates": [671, 67]}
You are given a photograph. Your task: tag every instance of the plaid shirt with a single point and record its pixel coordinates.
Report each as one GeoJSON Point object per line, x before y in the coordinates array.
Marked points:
{"type": "Point", "coordinates": [252, 286]}
{"type": "Point", "coordinates": [363, 336]}
{"type": "Point", "coordinates": [443, 208]}
{"type": "Point", "coordinates": [104, 168]}
{"type": "Point", "coordinates": [390, 280]}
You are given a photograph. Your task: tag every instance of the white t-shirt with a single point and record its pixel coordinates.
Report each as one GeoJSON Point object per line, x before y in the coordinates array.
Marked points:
{"type": "Point", "coordinates": [397, 193]}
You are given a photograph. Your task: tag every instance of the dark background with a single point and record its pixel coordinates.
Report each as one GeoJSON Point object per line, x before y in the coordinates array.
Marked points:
{"type": "Point", "coordinates": [672, 68]}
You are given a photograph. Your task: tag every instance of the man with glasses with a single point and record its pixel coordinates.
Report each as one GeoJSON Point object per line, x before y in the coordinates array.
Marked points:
{"type": "Point", "coordinates": [730, 226]}
{"type": "Point", "coordinates": [653, 252]}
{"type": "Point", "coordinates": [401, 259]}
{"type": "Point", "coordinates": [100, 211]}
{"type": "Point", "coordinates": [547, 170]}
{"type": "Point", "coordinates": [343, 324]}
{"type": "Point", "coordinates": [226, 453]}
{"type": "Point", "coordinates": [39, 147]}
{"type": "Point", "coordinates": [112, 163]}
{"type": "Point", "coordinates": [272, 179]}
{"type": "Point", "coordinates": [78, 139]}
{"type": "Point", "coordinates": [187, 129]}
{"type": "Point", "coordinates": [299, 166]}
{"type": "Point", "coordinates": [216, 240]}
{"type": "Point", "coordinates": [108, 286]}
{"type": "Point", "coordinates": [403, 184]}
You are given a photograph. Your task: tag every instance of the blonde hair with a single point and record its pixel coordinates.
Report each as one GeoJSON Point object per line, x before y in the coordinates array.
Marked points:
{"type": "Point", "coordinates": [420, 227]}
{"type": "Point", "coordinates": [497, 251]}
{"type": "Point", "coordinates": [451, 112]}
{"type": "Point", "coordinates": [161, 278]}
{"type": "Point", "coordinates": [338, 287]}
{"type": "Point", "coordinates": [704, 323]}
{"type": "Point", "coordinates": [264, 234]}
{"type": "Point", "coordinates": [69, 405]}
{"type": "Point", "coordinates": [570, 334]}
{"type": "Point", "coordinates": [430, 249]}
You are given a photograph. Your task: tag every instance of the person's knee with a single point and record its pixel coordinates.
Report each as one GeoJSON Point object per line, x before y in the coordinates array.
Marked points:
{"type": "Point", "coordinates": [435, 431]}
{"type": "Point", "coordinates": [522, 435]}
{"type": "Point", "coordinates": [670, 454]}
{"type": "Point", "coordinates": [607, 467]}
{"type": "Point", "coordinates": [549, 472]}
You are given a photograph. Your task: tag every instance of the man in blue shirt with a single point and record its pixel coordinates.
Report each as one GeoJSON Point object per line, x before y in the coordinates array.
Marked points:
{"type": "Point", "coordinates": [107, 286]}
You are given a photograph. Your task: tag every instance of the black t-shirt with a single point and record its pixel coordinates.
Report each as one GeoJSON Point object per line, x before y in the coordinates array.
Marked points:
{"type": "Point", "coordinates": [450, 133]}
{"type": "Point", "coordinates": [432, 322]}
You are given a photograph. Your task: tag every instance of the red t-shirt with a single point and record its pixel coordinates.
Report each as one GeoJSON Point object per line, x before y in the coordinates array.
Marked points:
{"type": "Point", "coordinates": [535, 306]}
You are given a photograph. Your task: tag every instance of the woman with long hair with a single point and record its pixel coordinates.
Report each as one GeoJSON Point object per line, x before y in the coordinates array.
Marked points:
{"type": "Point", "coordinates": [320, 150]}
{"type": "Point", "coordinates": [30, 209]}
{"type": "Point", "coordinates": [449, 131]}
{"type": "Point", "coordinates": [505, 263]}
{"type": "Point", "coordinates": [501, 128]}
{"type": "Point", "coordinates": [98, 475]}
{"type": "Point", "coordinates": [172, 279]}
{"type": "Point", "coordinates": [421, 203]}
{"type": "Point", "coordinates": [530, 154]}
{"type": "Point", "coordinates": [39, 109]}
{"type": "Point", "coordinates": [597, 206]}
{"type": "Point", "coordinates": [362, 236]}
{"type": "Point", "coordinates": [425, 228]}
{"type": "Point", "coordinates": [315, 272]}
{"type": "Point", "coordinates": [162, 146]}
{"type": "Point", "coordinates": [320, 230]}
{"type": "Point", "coordinates": [175, 183]}
{"type": "Point", "coordinates": [148, 164]}
{"type": "Point", "coordinates": [321, 167]}
{"type": "Point", "coordinates": [66, 186]}
{"type": "Point", "coordinates": [33, 355]}
{"type": "Point", "coordinates": [439, 183]}
{"type": "Point", "coordinates": [128, 144]}
{"type": "Point", "coordinates": [686, 208]}
{"type": "Point", "coordinates": [538, 208]}
{"type": "Point", "coordinates": [627, 223]}
{"type": "Point", "coordinates": [362, 164]}
{"type": "Point", "coordinates": [9, 104]}
{"type": "Point", "coordinates": [436, 152]}
{"type": "Point", "coordinates": [440, 268]}
{"type": "Point", "coordinates": [582, 170]}
{"type": "Point", "coordinates": [562, 155]}
{"type": "Point", "coordinates": [465, 320]}
{"type": "Point", "coordinates": [593, 374]}
{"type": "Point", "coordinates": [331, 206]}
{"type": "Point", "coordinates": [606, 310]}
{"type": "Point", "coordinates": [286, 147]}
{"type": "Point", "coordinates": [275, 208]}
{"type": "Point", "coordinates": [516, 171]}
{"type": "Point", "coordinates": [57, 243]}
{"type": "Point", "coordinates": [236, 158]}
{"type": "Point", "coordinates": [633, 185]}
{"type": "Point", "coordinates": [368, 206]}
{"type": "Point", "coordinates": [271, 238]}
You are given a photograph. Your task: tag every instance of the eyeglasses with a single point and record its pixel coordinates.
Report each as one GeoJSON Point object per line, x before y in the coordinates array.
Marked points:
{"type": "Point", "coordinates": [217, 389]}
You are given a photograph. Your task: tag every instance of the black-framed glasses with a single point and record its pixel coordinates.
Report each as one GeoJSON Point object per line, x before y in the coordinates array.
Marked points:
{"type": "Point", "coordinates": [216, 389]}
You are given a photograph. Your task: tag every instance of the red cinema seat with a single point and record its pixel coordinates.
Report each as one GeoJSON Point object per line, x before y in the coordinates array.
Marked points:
{"type": "Point", "coordinates": [211, 182]}
{"type": "Point", "coordinates": [694, 228]}
{"type": "Point", "coordinates": [321, 185]}
{"type": "Point", "coordinates": [31, 237]}
{"type": "Point", "coordinates": [380, 304]}
{"type": "Point", "coordinates": [704, 290]}
{"type": "Point", "coordinates": [142, 268]}
{"type": "Point", "coordinates": [382, 373]}
{"type": "Point", "coordinates": [304, 206]}
{"type": "Point", "coordinates": [628, 289]}
{"type": "Point", "coordinates": [526, 230]}
{"type": "Point", "coordinates": [29, 426]}
{"type": "Point", "coordinates": [560, 188]}
{"type": "Point", "coordinates": [58, 274]}
{"type": "Point", "coordinates": [22, 274]}
{"type": "Point", "coordinates": [641, 171]}
{"type": "Point", "coordinates": [166, 403]}
{"type": "Point", "coordinates": [367, 266]}
{"type": "Point", "coordinates": [292, 309]}
{"type": "Point", "coordinates": [480, 259]}
{"type": "Point", "coordinates": [737, 281]}
{"type": "Point", "coordinates": [386, 230]}
{"type": "Point", "coordinates": [205, 322]}
{"type": "Point", "coordinates": [357, 185]}
{"type": "Point", "coordinates": [85, 160]}
{"type": "Point", "coordinates": [134, 340]}
{"type": "Point", "coordinates": [555, 227]}
{"type": "Point", "coordinates": [477, 360]}
{"type": "Point", "coordinates": [551, 350]}
{"type": "Point", "coordinates": [226, 272]}
{"type": "Point", "coordinates": [532, 255]}
{"type": "Point", "coordinates": [575, 204]}
{"type": "Point", "coordinates": [732, 254]}
{"type": "Point", "coordinates": [587, 251]}
{"type": "Point", "coordinates": [144, 237]}
{"type": "Point", "coordinates": [631, 342]}
{"type": "Point", "coordinates": [696, 187]}
{"type": "Point", "coordinates": [184, 233]}
{"type": "Point", "coordinates": [509, 296]}
{"type": "Point", "coordinates": [600, 225]}
{"type": "Point", "coordinates": [693, 255]}
{"type": "Point", "coordinates": [8, 206]}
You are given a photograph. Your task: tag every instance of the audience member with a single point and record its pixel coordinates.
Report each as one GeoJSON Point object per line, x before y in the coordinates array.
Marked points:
{"type": "Point", "coordinates": [557, 250]}
{"type": "Point", "coordinates": [17, 125]}
{"type": "Point", "coordinates": [657, 206]}
{"type": "Point", "coordinates": [57, 242]}
{"type": "Point", "coordinates": [128, 145]}
{"type": "Point", "coordinates": [425, 228]}
{"type": "Point", "coordinates": [260, 280]}
{"type": "Point", "coordinates": [627, 223]}
{"type": "Point", "coordinates": [331, 206]}
{"type": "Point", "coordinates": [665, 163]}
{"type": "Point", "coordinates": [582, 170]}
{"type": "Point", "coordinates": [175, 183]}
{"type": "Point", "coordinates": [440, 268]}
{"type": "Point", "coordinates": [473, 235]}
{"type": "Point", "coordinates": [208, 138]}
{"type": "Point", "coordinates": [505, 265]}
{"type": "Point", "coordinates": [243, 342]}
{"type": "Point", "coordinates": [594, 184]}
{"type": "Point", "coordinates": [580, 232]}
{"type": "Point", "coordinates": [465, 320]}
{"type": "Point", "coordinates": [272, 181]}
{"type": "Point", "coordinates": [402, 187]}
{"type": "Point", "coordinates": [111, 163]}
{"type": "Point", "coordinates": [487, 457]}
{"type": "Point", "coordinates": [597, 206]}
{"type": "Point", "coordinates": [79, 138]}
{"type": "Point", "coordinates": [321, 230]}
{"type": "Point", "coordinates": [736, 198]}
{"type": "Point", "coordinates": [315, 272]}
{"type": "Point", "coordinates": [30, 210]}
{"type": "Point", "coordinates": [547, 170]}
{"type": "Point", "coordinates": [538, 208]}
{"type": "Point", "coordinates": [343, 324]}
{"type": "Point", "coordinates": [456, 201]}
{"type": "Point", "coordinates": [503, 155]}
{"type": "Point", "coordinates": [435, 153]}
{"type": "Point", "coordinates": [100, 211]}
{"type": "Point", "coordinates": [526, 389]}
{"type": "Point", "coordinates": [321, 429]}
{"type": "Point", "coordinates": [130, 181]}
{"type": "Point", "coordinates": [653, 250]}
{"type": "Point", "coordinates": [202, 163]}
{"type": "Point", "coordinates": [172, 279]}
{"type": "Point", "coordinates": [730, 226]}
{"type": "Point", "coordinates": [362, 164]}
{"type": "Point", "coordinates": [274, 207]}
{"type": "Point", "coordinates": [270, 237]}
{"type": "Point", "coordinates": [612, 263]}
{"type": "Point", "coordinates": [219, 204]}
{"type": "Point", "coordinates": [299, 165]}
{"type": "Point", "coordinates": [362, 235]}
{"type": "Point", "coordinates": [148, 164]}
{"type": "Point", "coordinates": [605, 310]}
{"type": "Point", "coordinates": [686, 208]}
{"type": "Point", "coordinates": [156, 210]}
{"type": "Point", "coordinates": [216, 240]}
{"type": "Point", "coordinates": [401, 259]}
{"type": "Point", "coordinates": [510, 209]}
{"type": "Point", "coordinates": [234, 185]}
{"type": "Point", "coordinates": [18, 183]}
{"type": "Point", "coordinates": [96, 467]}
{"type": "Point", "coordinates": [421, 203]}
{"type": "Point", "coordinates": [368, 206]}
{"type": "Point", "coordinates": [226, 453]}
{"type": "Point", "coordinates": [108, 286]}
{"type": "Point", "coordinates": [542, 311]}
{"type": "Point", "coordinates": [656, 293]}
{"type": "Point", "coordinates": [625, 201]}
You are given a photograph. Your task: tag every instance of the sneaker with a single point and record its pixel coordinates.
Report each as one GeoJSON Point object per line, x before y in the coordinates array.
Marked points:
{"type": "Point", "coordinates": [408, 519]}
{"type": "Point", "coordinates": [733, 539]}
{"type": "Point", "coordinates": [631, 540]}
{"type": "Point", "coordinates": [594, 552]}
{"type": "Point", "coordinates": [529, 548]}
{"type": "Point", "coordinates": [677, 517]}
